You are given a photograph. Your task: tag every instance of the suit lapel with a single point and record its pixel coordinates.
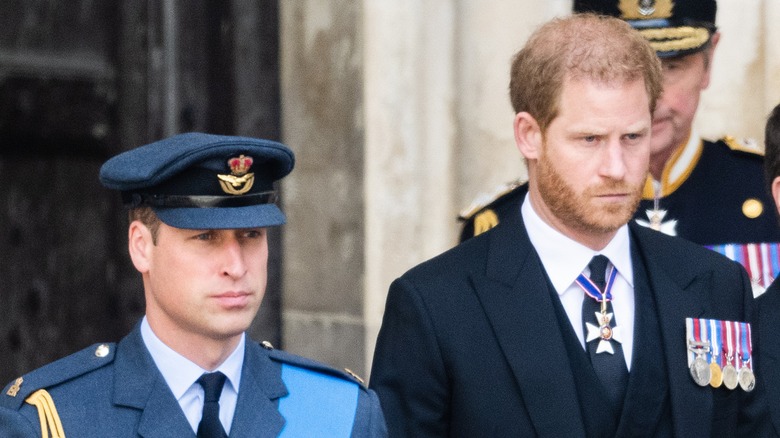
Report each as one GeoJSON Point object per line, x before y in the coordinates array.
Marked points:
{"type": "Point", "coordinates": [138, 384]}
{"type": "Point", "coordinates": [257, 413]}
{"type": "Point", "coordinates": [516, 299]}
{"type": "Point", "coordinates": [681, 292]}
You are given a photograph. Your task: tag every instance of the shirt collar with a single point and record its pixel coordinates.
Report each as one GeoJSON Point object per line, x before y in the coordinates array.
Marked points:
{"type": "Point", "coordinates": [181, 373]}
{"type": "Point", "coordinates": [565, 259]}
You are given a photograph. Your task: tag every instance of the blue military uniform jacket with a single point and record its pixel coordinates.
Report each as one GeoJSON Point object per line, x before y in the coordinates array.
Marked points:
{"type": "Point", "coordinates": [116, 390]}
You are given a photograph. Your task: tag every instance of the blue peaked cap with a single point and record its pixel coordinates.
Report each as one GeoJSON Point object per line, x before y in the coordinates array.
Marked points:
{"type": "Point", "coordinates": [203, 181]}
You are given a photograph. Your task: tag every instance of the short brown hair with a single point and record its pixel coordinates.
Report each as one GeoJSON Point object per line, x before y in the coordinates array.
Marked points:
{"type": "Point", "coordinates": [772, 147]}
{"type": "Point", "coordinates": [586, 46]}
{"type": "Point", "coordinates": [147, 217]}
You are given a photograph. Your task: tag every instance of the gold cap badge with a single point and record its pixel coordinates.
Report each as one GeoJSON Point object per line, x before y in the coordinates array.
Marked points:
{"type": "Point", "coordinates": [239, 181]}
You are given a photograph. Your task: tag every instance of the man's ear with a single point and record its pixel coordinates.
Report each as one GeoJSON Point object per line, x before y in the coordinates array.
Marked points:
{"type": "Point", "coordinates": [528, 135]}
{"type": "Point", "coordinates": [710, 55]}
{"type": "Point", "coordinates": [139, 244]}
{"type": "Point", "coordinates": [776, 191]}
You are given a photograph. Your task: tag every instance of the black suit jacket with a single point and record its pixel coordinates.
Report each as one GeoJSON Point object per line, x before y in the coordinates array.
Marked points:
{"type": "Point", "coordinates": [768, 320]}
{"type": "Point", "coordinates": [470, 345]}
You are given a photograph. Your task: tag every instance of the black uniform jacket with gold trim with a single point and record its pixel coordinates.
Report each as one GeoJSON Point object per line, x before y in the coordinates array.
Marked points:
{"type": "Point", "coordinates": [715, 201]}
{"type": "Point", "coordinates": [470, 343]}
{"type": "Point", "coordinates": [117, 391]}
{"type": "Point", "coordinates": [723, 199]}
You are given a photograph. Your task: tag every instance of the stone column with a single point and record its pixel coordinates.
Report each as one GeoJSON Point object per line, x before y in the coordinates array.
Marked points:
{"type": "Point", "coordinates": [322, 121]}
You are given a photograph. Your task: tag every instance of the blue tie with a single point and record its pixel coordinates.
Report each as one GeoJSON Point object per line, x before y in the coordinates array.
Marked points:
{"type": "Point", "coordinates": [210, 426]}
{"type": "Point", "coordinates": [610, 368]}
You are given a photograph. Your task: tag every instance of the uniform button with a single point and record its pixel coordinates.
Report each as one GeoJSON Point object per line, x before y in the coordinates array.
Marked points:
{"type": "Point", "coordinates": [752, 208]}
{"type": "Point", "coordinates": [102, 350]}
{"type": "Point", "coordinates": [267, 345]}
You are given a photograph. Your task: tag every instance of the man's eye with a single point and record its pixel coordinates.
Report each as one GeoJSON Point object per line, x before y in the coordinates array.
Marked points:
{"type": "Point", "coordinates": [253, 234]}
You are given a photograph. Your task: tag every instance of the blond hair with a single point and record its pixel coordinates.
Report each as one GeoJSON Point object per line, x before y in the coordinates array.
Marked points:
{"type": "Point", "coordinates": [581, 46]}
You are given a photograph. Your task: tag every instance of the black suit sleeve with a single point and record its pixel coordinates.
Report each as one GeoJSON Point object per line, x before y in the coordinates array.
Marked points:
{"type": "Point", "coordinates": [766, 350]}
{"type": "Point", "coordinates": [409, 373]}
{"type": "Point", "coordinates": [753, 419]}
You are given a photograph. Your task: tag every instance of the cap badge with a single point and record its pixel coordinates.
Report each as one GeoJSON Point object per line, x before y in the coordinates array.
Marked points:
{"type": "Point", "coordinates": [645, 9]}
{"type": "Point", "coordinates": [239, 181]}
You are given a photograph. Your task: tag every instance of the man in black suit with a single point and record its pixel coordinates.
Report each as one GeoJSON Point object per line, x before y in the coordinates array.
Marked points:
{"type": "Point", "coordinates": [709, 192]}
{"type": "Point", "coordinates": [769, 303]}
{"type": "Point", "coordinates": [565, 320]}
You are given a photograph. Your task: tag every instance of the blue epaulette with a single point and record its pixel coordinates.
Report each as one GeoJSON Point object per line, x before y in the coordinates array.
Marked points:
{"type": "Point", "coordinates": [320, 398]}
{"type": "Point", "coordinates": [62, 370]}
{"type": "Point", "coordinates": [300, 361]}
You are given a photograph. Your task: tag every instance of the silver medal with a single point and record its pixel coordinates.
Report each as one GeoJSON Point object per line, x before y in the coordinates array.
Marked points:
{"type": "Point", "coordinates": [700, 371]}
{"type": "Point", "coordinates": [747, 380]}
{"type": "Point", "coordinates": [730, 378]}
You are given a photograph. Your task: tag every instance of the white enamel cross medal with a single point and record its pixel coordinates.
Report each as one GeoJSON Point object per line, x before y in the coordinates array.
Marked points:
{"type": "Point", "coordinates": [604, 332]}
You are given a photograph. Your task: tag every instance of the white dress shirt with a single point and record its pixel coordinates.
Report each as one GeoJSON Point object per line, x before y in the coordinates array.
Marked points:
{"type": "Point", "coordinates": [565, 259]}
{"type": "Point", "coordinates": [181, 375]}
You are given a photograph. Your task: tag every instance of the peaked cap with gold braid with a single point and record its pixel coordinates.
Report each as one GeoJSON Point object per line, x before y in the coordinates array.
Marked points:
{"type": "Point", "coordinates": [673, 27]}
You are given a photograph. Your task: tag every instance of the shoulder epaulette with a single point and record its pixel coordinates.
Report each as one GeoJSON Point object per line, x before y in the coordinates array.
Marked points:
{"type": "Point", "coordinates": [485, 200]}
{"type": "Point", "coordinates": [62, 370]}
{"type": "Point", "coordinates": [302, 362]}
{"type": "Point", "coordinates": [746, 145]}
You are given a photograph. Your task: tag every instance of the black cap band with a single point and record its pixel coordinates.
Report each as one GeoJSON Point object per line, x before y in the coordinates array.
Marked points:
{"type": "Point", "coordinates": [133, 200]}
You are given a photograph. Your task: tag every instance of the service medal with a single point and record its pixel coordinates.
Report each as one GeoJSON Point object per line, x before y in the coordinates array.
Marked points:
{"type": "Point", "coordinates": [716, 374]}
{"type": "Point", "coordinates": [700, 371]}
{"type": "Point", "coordinates": [747, 381]}
{"type": "Point", "coordinates": [730, 378]}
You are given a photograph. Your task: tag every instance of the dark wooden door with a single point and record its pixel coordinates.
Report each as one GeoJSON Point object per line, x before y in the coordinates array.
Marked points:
{"type": "Point", "coordinates": [80, 81]}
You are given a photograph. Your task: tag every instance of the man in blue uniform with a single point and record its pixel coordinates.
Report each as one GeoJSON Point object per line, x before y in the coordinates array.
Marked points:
{"type": "Point", "coordinates": [199, 205]}
{"type": "Point", "coordinates": [567, 319]}
{"type": "Point", "coordinates": [769, 303]}
{"type": "Point", "coordinates": [711, 193]}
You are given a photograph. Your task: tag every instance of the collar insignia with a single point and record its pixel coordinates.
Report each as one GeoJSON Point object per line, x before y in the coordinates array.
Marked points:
{"type": "Point", "coordinates": [14, 389]}
{"type": "Point", "coordinates": [240, 179]}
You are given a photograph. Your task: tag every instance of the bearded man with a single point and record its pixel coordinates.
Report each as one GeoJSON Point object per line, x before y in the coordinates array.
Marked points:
{"type": "Point", "coordinates": [566, 320]}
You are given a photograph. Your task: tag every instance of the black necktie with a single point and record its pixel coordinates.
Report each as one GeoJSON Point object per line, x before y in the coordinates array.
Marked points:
{"type": "Point", "coordinates": [610, 368]}
{"type": "Point", "coordinates": [210, 426]}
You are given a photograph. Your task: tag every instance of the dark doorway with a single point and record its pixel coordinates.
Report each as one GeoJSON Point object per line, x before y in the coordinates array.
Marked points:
{"type": "Point", "coordinates": [80, 81]}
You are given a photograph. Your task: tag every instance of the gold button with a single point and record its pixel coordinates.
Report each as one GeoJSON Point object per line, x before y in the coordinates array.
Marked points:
{"type": "Point", "coordinates": [752, 208]}
{"type": "Point", "coordinates": [102, 350]}
{"type": "Point", "coordinates": [267, 345]}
